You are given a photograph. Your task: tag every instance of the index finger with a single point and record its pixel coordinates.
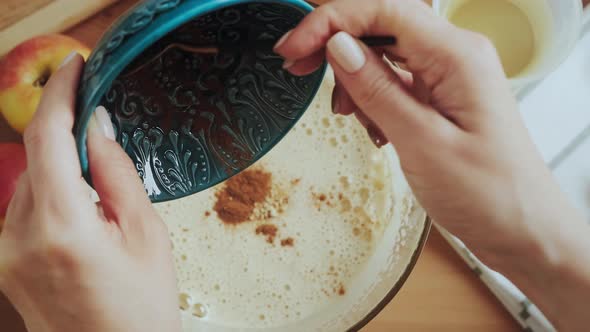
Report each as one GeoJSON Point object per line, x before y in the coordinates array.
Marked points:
{"type": "Point", "coordinates": [419, 32]}
{"type": "Point", "coordinates": [49, 142]}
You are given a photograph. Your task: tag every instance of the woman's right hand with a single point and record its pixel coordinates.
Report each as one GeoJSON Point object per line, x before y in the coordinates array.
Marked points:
{"type": "Point", "coordinates": [456, 127]}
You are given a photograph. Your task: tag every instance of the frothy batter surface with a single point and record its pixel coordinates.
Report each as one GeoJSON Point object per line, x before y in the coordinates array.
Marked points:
{"type": "Point", "coordinates": [300, 248]}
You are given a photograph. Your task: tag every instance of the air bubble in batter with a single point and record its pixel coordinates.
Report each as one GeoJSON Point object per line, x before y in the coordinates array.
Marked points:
{"type": "Point", "coordinates": [184, 301]}
{"type": "Point", "coordinates": [199, 310]}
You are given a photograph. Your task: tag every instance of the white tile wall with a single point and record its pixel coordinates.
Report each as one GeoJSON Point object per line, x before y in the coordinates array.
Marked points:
{"type": "Point", "coordinates": [557, 113]}
{"type": "Point", "coordinates": [558, 109]}
{"type": "Point", "coordinates": [573, 174]}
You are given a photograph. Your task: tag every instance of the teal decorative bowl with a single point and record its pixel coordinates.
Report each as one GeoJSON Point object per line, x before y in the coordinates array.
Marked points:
{"type": "Point", "coordinates": [190, 120]}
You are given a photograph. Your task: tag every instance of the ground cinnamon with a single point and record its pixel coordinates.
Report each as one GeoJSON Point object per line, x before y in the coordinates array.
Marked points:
{"type": "Point", "coordinates": [238, 198]}
{"type": "Point", "coordinates": [288, 242]}
{"type": "Point", "coordinates": [268, 230]}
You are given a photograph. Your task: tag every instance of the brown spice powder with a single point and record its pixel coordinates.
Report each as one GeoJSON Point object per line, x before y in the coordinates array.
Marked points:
{"type": "Point", "coordinates": [288, 242]}
{"type": "Point", "coordinates": [268, 230]}
{"type": "Point", "coordinates": [236, 201]}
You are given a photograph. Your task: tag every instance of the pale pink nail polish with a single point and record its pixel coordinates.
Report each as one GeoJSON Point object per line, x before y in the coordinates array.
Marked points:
{"type": "Point", "coordinates": [376, 136]}
{"type": "Point", "coordinates": [288, 64]}
{"type": "Point", "coordinates": [68, 59]}
{"type": "Point", "coordinates": [283, 39]}
{"type": "Point", "coordinates": [335, 105]}
{"type": "Point", "coordinates": [347, 52]}
{"type": "Point", "coordinates": [103, 122]}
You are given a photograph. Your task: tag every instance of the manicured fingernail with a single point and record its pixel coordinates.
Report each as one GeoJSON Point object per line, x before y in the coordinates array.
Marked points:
{"type": "Point", "coordinates": [68, 59]}
{"type": "Point", "coordinates": [101, 121]}
{"type": "Point", "coordinates": [335, 105]}
{"type": "Point", "coordinates": [347, 52]}
{"type": "Point", "coordinates": [282, 40]}
{"type": "Point", "coordinates": [376, 136]}
{"type": "Point", "coordinates": [288, 64]}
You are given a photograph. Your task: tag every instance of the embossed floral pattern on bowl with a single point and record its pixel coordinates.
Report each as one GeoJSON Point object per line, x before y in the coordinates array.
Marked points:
{"type": "Point", "coordinates": [190, 120]}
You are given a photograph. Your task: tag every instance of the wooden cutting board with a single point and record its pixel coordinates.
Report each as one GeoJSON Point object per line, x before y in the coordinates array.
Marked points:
{"type": "Point", "coordinates": [21, 20]}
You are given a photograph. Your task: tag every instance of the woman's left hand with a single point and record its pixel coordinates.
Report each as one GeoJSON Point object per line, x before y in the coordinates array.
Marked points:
{"type": "Point", "coordinates": [68, 263]}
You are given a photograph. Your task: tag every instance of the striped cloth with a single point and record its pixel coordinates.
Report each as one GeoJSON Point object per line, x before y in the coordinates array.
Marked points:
{"type": "Point", "coordinates": [520, 307]}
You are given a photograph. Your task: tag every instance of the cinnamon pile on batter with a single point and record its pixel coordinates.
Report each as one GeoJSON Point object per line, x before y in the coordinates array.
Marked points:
{"type": "Point", "coordinates": [237, 200]}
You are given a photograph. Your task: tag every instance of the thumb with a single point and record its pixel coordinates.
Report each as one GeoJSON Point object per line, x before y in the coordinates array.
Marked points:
{"type": "Point", "coordinates": [381, 96]}
{"type": "Point", "coordinates": [113, 174]}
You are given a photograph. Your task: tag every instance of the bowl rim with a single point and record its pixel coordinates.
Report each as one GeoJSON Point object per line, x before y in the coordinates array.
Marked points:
{"type": "Point", "coordinates": [400, 282]}
{"type": "Point", "coordinates": [208, 7]}
{"type": "Point", "coordinates": [87, 109]}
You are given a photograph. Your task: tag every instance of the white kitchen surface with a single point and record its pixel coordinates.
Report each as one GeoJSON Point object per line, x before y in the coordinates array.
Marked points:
{"type": "Point", "coordinates": [557, 113]}
{"type": "Point", "coordinates": [573, 175]}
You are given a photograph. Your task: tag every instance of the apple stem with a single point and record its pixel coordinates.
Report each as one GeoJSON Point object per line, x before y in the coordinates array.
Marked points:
{"type": "Point", "coordinates": [41, 81]}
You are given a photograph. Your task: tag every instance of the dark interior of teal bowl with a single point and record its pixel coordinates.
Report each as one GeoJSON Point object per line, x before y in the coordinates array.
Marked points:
{"type": "Point", "coordinates": [190, 120]}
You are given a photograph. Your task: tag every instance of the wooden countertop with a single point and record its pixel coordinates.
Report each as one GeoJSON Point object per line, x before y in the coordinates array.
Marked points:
{"type": "Point", "coordinates": [441, 294]}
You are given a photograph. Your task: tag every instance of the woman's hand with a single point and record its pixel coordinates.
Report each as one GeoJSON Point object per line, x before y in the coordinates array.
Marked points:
{"type": "Point", "coordinates": [457, 130]}
{"type": "Point", "coordinates": [68, 263]}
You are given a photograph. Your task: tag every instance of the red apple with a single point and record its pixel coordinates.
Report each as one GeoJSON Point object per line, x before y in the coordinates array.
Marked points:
{"type": "Point", "coordinates": [25, 70]}
{"type": "Point", "coordinates": [13, 162]}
